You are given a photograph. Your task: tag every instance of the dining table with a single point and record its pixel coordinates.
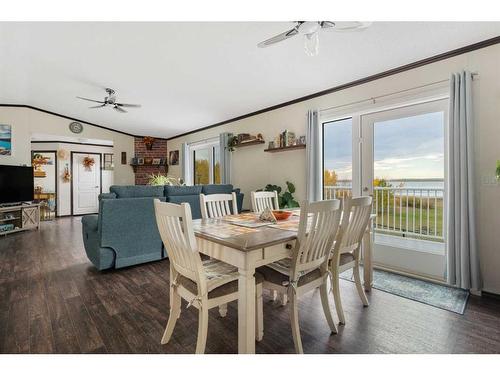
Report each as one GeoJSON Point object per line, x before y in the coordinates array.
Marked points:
{"type": "Point", "coordinates": [247, 243]}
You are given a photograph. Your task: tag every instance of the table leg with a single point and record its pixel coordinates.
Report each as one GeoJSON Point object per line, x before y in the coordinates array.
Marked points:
{"type": "Point", "coordinates": [246, 311]}
{"type": "Point", "coordinates": [367, 259]}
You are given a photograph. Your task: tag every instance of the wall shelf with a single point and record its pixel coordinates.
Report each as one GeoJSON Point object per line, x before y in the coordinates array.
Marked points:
{"type": "Point", "coordinates": [288, 148]}
{"type": "Point", "coordinates": [250, 143]}
{"type": "Point", "coordinates": [134, 166]}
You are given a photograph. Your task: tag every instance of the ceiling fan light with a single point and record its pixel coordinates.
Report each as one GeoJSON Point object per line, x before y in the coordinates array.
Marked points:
{"type": "Point", "coordinates": [311, 44]}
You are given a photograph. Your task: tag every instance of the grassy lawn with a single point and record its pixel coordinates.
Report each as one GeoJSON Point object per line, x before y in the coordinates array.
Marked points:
{"type": "Point", "coordinates": [415, 220]}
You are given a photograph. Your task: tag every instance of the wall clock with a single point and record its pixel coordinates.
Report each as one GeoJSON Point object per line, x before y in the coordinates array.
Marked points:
{"type": "Point", "coordinates": [76, 127]}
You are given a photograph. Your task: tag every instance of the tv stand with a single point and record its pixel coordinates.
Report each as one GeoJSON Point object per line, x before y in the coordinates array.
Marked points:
{"type": "Point", "coordinates": [19, 217]}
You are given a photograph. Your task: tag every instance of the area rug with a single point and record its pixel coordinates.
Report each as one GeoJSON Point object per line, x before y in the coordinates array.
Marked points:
{"type": "Point", "coordinates": [441, 296]}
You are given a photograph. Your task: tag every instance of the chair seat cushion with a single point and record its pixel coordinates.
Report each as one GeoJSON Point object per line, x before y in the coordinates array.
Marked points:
{"type": "Point", "coordinates": [278, 278]}
{"type": "Point", "coordinates": [223, 290]}
{"type": "Point", "coordinates": [346, 258]}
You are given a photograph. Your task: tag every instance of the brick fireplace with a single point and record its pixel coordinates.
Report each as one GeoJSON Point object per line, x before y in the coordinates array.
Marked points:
{"type": "Point", "coordinates": [159, 150]}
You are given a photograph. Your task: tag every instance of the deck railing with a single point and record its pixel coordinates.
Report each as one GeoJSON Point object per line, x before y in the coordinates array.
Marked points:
{"type": "Point", "coordinates": [404, 212]}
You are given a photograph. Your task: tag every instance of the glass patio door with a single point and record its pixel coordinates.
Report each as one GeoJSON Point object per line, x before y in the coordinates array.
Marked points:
{"type": "Point", "coordinates": [403, 158]}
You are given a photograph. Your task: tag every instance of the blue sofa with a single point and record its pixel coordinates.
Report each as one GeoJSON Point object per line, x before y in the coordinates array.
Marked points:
{"type": "Point", "coordinates": [124, 232]}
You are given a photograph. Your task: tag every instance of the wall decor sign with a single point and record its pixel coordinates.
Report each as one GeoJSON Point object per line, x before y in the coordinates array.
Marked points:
{"type": "Point", "coordinates": [173, 157]}
{"type": "Point", "coordinates": [124, 157]}
{"type": "Point", "coordinates": [109, 163]}
{"type": "Point", "coordinates": [5, 140]}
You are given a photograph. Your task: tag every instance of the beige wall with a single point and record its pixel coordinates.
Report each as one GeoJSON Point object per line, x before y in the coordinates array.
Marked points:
{"type": "Point", "coordinates": [253, 168]}
{"type": "Point", "coordinates": [26, 121]}
{"type": "Point", "coordinates": [64, 188]}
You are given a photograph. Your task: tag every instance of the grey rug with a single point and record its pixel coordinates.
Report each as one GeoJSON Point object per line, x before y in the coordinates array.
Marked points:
{"type": "Point", "coordinates": [441, 296]}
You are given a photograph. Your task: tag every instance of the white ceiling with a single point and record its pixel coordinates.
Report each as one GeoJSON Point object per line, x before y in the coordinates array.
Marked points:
{"type": "Point", "coordinates": [190, 75]}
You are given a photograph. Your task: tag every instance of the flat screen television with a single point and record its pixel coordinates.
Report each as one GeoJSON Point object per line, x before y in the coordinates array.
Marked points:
{"type": "Point", "coordinates": [16, 184]}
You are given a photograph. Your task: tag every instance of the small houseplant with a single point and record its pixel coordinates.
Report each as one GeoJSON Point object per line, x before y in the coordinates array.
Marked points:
{"type": "Point", "coordinates": [160, 179]}
{"type": "Point", "coordinates": [285, 199]}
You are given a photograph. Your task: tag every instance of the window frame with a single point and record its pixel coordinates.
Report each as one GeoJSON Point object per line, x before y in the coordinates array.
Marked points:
{"type": "Point", "coordinates": [210, 145]}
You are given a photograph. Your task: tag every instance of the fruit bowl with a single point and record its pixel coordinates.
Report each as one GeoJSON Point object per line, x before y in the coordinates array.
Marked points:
{"type": "Point", "coordinates": [282, 215]}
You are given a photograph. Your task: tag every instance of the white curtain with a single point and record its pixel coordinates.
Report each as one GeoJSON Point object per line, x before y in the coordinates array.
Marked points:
{"type": "Point", "coordinates": [462, 253]}
{"type": "Point", "coordinates": [314, 180]}
{"type": "Point", "coordinates": [185, 161]}
{"type": "Point", "coordinates": [225, 158]}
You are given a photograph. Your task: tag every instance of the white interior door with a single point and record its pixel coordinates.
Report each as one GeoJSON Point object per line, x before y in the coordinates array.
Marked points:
{"type": "Point", "coordinates": [403, 167]}
{"type": "Point", "coordinates": [86, 184]}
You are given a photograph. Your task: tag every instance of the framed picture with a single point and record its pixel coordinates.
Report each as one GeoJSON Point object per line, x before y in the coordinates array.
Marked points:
{"type": "Point", "coordinates": [5, 140]}
{"type": "Point", "coordinates": [109, 163]}
{"type": "Point", "coordinates": [156, 161]}
{"type": "Point", "coordinates": [148, 161]}
{"type": "Point", "coordinates": [124, 157]}
{"type": "Point", "coordinates": [134, 161]}
{"type": "Point", "coordinates": [140, 161]}
{"type": "Point", "coordinates": [173, 157]}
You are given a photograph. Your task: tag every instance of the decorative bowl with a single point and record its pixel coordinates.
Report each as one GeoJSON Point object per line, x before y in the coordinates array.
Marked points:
{"type": "Point", "coordinates": [282, 215]}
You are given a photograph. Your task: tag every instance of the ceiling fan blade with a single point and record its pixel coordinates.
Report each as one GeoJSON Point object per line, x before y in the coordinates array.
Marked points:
{"type": "Point", "coordinates": [90, 100]}
{"type": "Point", "coordinates": [279, 38]}
{"type": "Point", "coordinates": [99, 106]}
{"type": "Point", "coordinates": [327, 25]}
{"type": "Point", "coordinates": [119, 109]}
{"type": "Point", "coordinates": [128, 105]}
{"type": "Point", "coordinates": [345, 26]}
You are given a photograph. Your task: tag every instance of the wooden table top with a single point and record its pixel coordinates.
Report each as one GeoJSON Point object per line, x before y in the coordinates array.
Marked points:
{"type": "Point", "coordinates": [245, 232]}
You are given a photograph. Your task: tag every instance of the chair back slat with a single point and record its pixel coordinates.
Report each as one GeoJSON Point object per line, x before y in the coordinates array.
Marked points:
{"type": "Point", "coordinates": [355, 218]}
{"type": "Point", "coordinates": [264, 199]}
{"type": "Point", "coordinates": [175, 225]}
{"type": "Point", "coordinates": [217, 205]}
{"type": "Point", "coordinates": [319, 223]}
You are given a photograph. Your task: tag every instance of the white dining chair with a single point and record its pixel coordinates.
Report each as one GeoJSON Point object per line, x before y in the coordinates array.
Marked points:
{"type": "Point", "coordinates": [308, 267]}
{"type": "Point", "coordinates": [204, 284]}
{"type": "Point", "coordinates": [264, 199]}
{"type": "Point", "coordinates": [346, 252]}
{"type": "Point", "coordinates": [218, 205]}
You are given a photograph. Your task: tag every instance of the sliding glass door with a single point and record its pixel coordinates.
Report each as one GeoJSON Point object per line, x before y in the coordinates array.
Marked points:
{"type": "Point", "coordinates": [206, 163]}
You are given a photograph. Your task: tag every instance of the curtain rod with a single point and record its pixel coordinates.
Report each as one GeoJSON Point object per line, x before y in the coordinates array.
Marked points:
{"type": "Point", "coordinates": [374, 98]}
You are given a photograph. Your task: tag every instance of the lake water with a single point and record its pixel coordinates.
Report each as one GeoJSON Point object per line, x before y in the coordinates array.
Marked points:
{"type": "Point", "coordinates": [409, 184]}
{"type": "Point", "coordinates": [4, 145]}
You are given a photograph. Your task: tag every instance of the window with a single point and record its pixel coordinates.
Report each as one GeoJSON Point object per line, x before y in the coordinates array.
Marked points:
{"type": "Point", "coordinates": [337, 158]}
{"type": "Point", "coordinates": [206, 162]}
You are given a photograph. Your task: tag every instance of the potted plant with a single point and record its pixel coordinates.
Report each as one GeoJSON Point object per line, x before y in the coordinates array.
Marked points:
{"type": "Point", "coordinates": [285, 199]}
{"type": "Point", "coordinates": [160, 179]}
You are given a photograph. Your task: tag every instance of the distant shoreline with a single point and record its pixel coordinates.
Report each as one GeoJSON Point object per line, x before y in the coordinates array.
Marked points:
{"type": "Point", "coordinates": [407, 180]}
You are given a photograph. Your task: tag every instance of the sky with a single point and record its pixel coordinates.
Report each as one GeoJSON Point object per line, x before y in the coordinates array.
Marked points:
{"type": "Point", "coordinates": [411, 147]}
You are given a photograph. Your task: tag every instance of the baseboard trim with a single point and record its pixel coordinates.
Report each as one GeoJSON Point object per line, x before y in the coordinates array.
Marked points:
{"type": "Point", "coordinates": [490, 295]}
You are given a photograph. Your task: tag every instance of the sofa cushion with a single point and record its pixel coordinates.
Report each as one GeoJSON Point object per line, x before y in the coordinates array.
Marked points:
{"type": "Point", "coordinates": [217, 189]}
{"type": "Point", "coordinates": [137, 191]}
{"type": "Point", "coordinates": [182, 190]}
{"type": "Point", "coordinates": [193, 200]}
{"type": "Point", "coordinates": [107, 196]}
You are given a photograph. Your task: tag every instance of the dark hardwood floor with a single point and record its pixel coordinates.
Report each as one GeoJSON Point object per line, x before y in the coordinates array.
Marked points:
{"type": "Point", "coordinates": [53, 301]}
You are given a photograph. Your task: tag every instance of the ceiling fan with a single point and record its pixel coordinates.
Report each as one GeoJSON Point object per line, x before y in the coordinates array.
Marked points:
{"type": "Point", "coordinates": [111, 100]}
{"type": "Point", "coordinates": [310, 30]}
